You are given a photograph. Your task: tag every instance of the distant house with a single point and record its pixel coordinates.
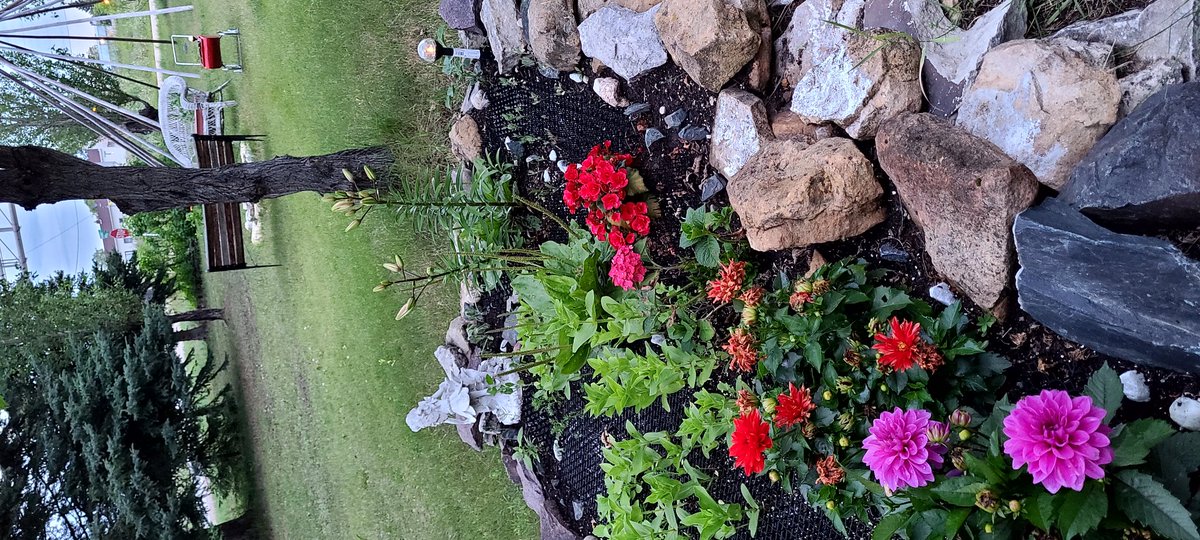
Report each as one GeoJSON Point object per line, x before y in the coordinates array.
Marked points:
{"type": "Point", "coordinates": [107, 153]}
{"type": "Point", "coordinates": [109, 218]}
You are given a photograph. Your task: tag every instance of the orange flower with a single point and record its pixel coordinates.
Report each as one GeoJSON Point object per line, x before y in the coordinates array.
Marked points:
{"type": "Point", "coordinates": [741, 349]}
{"type": "Point", "coordinates": [746, 402]}
{"type": "Point", "coordinates": [896, 350]}
{"type": "Point", "coordinates": [798, 300]}
{"type": "Point", "coordinates": [928, 357]}
{"type": "Point", "coordinates": [794, 407]}
{"type": "Point", "coordinates": [729, 282]}
{"type": "Point", "coordinates": [829, 472]}
{"type": "Point", "coordinates": [753, 296]}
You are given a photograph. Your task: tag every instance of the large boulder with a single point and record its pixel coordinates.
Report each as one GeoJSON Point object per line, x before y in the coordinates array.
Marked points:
{"type": "Point", "coordinates": [1163, 30]}
{"type": "Point", "coordinates": [792, 194]}
{"type": "Point", "coordinates": [1145, 173]}
{"type": "Point", "coordinates": [952, 55]}
{"type": "Point", "coordinates": [588, 7]}
{"type": "Point", "coordinates": [505, 32]}
{"type": "Point", "coordinates": [963, 193]}
{"type": "Point", "coordinates": [857, 84]}
{"type": "Point", "coordinates": [710, 39]}
{"type": "Point", "coordinates": [1045, 103]}
{"type": "Point", "coordinates": [739, 130]}
{"type": "Point", "coordinates": [1128, 296]}
{"type": "Point", "coordinates": [553, 36]}
{"type": "Point", "coordinates": [623, 39]}
{"type": "Point", "coordinates": [795, 51]}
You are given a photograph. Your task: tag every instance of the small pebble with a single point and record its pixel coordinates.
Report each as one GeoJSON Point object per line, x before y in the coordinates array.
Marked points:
{"type": "Point", "coordinates": [1186, 412]}
{"type": "Point", "coordinates": [548, 72]}
{"type": "Point", "coordinates": [546, 176]}
{"type": "Point", "coordinates": [658, 339]}
{"type": "Point", "coordinates": [553, 155]}
{"type": "Point", "coordinates": [1134, 386]}
{"type": "Point", "coordinates": [942, 293]}
{"type": "Point", "coordinates": [562, 165]}
{"type": "Point", "coordinates": [653, 135]}
{"type": "Point", "coordinates": [578, 77]}
{"type": "Point", "coordinates": [578, 507]}
{"type": "Point", "coordinates": [557, 449]}
{"type": "Point", "coordinates": [892, 252]}
{"type": "Point", "coordinates": [636, 109]}
{"type": "Point", "coordinates": [676, 119]}
{"type": "Point", "coordinates": [711, 187]}
{"type": "Point", "coordinates": [514, 147]}
{"type": "Point", "coordinates": [694, 133]}
{"type": "Point", "coordinates": [662, 110]}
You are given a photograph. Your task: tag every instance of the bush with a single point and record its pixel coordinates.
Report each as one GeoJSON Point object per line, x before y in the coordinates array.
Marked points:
{"type": "Point", "coordinates": [170, 239]}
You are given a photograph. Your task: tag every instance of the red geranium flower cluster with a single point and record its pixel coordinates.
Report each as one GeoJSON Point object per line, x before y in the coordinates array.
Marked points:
{"type": "Point", "coordinates": [751, 437]}
{"type": "Point", "coordinates": [598, 186]}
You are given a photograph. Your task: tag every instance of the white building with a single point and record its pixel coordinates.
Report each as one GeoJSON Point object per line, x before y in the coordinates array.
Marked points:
{"type": "Point", "coordinates": [107, 153]}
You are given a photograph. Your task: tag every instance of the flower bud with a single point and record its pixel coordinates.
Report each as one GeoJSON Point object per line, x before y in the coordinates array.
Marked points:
{"type": "Point", "coordinates": [846, 421]}
{"type": "Point", "coordinates": [1014, 506]}
{"type": "Point", "coordinates": [829, 505]}
{"type": "Point", "coordinates": [958, 460]}
{"type": "Point", "coordinates": [852, 357]}
{"type": "Point", "coordinates": [843, 442]}
{"type": "Point", "coordinates": [827, 395]}
{"type": "Point", "coordinates": [986, 501]}
{"type": "Point", "coordinates": [749, 315]}
{"type": "Point", "coordinates": [774, 476]}
{"type": "Point", "coordinates": [803, 287]}
{"type": "Point", "coordinates": [964, 435]}
{"type": "Point", "coordinates": [883, 388]}
{"type": "Point", "coordinates": [874, 326]}
{"type": "Point", "coordinates": [799, 299]}
{"type": "Point", "coordinates": [349, 175]}
{"type": "Point", "coordinates": [820, 286]}
{"type": "Point", "coordinates": [960, 418]}
{"type": "Point", "coordinates": [808, 430]}
{"type": "Point", "coordinates": [938, 432]}
{"type": "Point", "coordinates": [987, 528]}
{"type": "Point", "coordinates": [845, 385]}
{"type": "Point", "coordinates": [768, 405]}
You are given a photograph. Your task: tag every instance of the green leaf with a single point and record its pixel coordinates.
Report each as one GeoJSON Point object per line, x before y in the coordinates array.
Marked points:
{"type": "Point", "coordinates": [708, 252]}
{"type": "Point", "coordinates": [571, 362]}
{"type": "Point", "coordinates": [749, 498]}
{"type": "Point", "coordinates": [955, 521]}
{"type": "Point", "coordinates": [1137, 438]}
{"type": "Point", "coordinates": [533, 294]}
{"type": "Point", "coordinates": [1105, 390]}
{"type": "Point", "coordinates": [1178, 457]}
{"type": "Point", "coordinates": [1081, 511]}
{"type": "Point", "coordinates": [887, 527]}
{"type": "Point", "coordinates": [1146, 501]}
{"type": "Point", "coordinates": [887, 301]}
{"type": "Point", "coordinates": [959, 491]}
{"type": "Point", "coordinates": [1039, 510]}
{"type": "Point", "coordinates": [707, 332]}
{"type": "Point", "coordinates": [3, 404]}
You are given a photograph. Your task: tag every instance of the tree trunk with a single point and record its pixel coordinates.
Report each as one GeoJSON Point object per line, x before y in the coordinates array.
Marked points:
{"type": "Point", "coordinates": [241, 528]}
{"type": "Point", "coordinates": [206, 314]}
{"type": "Point", "coordinates": [32, 175]}
{"type": "Point", "coordinates": [199, 333]}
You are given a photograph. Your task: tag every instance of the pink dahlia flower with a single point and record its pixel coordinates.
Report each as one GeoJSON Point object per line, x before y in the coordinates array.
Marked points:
{"type": "Point", "coordinates": [627, 269]}
{"type": "Point", "coordinates": [899, 451]}
{"type": "Point", "coordinates": [1062, 439]}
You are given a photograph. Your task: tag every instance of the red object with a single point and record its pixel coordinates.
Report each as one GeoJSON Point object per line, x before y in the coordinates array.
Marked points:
{"type": "Point", "coordinates": [896, 351]}
{"type": "Point", "coordinates": [751, 437]}
{"type": "Point", "coordinates": [794, 406]}
{"type": "Point", "coordinates": [120, 233]}
{"type": "Point", "coordinates": [210, 52]}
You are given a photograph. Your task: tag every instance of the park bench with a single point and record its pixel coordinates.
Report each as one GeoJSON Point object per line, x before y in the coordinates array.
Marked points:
{"type": "Point", "coordinates": [225, 244]}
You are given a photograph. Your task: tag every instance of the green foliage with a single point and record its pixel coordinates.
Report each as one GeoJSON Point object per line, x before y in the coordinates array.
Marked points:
{"type": "Point", "coordinates": [706, 423]}
{"type": "Point", "coordinates": [626, 379]}
{"type": "Point", "coordinates": [460, 72]}
{"type": "Point", "coordinates": [703, 231]}
{"type": "Point", "coordinates": [170, 239]}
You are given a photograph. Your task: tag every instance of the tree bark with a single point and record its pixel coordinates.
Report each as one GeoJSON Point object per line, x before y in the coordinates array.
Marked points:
{"type": "Point", "coordinates": [242, 528]}
{"type": "Point", "coordinates": [199, 333]}
{"type": "Point", "coordinates": [206, 314]}
{"type": "Point", "coordinates": [32, 175]}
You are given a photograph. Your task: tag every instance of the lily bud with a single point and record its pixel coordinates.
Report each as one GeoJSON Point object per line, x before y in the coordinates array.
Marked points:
{"type": "Point", "coordinates": [349, 175]}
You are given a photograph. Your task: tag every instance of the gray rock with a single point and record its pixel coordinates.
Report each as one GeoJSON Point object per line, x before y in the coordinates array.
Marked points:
{"type": "Point", "coordinates": [856, 84]}
{"type": "Point", "coordinates": [472, 39]}
{"type": "Point", "coordinates": [711, 187]}
{"type": "Point", "coordinates": [892, 252]}
{"type": "Point", "coordinates": [506, 33]}
{"type": "Point", "coordinates": [653, 135]}
{"type": "Point", "coordinates": [456, 335]}
{"type": "Point", "coordinates": [459, 14]}
{"type": "Point", "coordinates": [1045, 103]}
{"type": "Point", "coordinates": [514, 147]}
{"type": "Point", "coordinates": [1138, 86]}
{"type": "Point", "coordinates": [637, 109]}
{"type": "Point", "coordinates": [1127, 296]}
{"type": "Point", "coordinates": [952, 55]}
{"type": "Point", "coordinates": [553, 35]}
{"type": "Point", "coordinates": [479, 99]}
{"type": "Point", "coordinates": [509, 333]}
{"type": "Point", "coordinates": [548, 72]}
{"type": "Point", "coordinates": [693, 133]}
{"type": "Point", "coordinates": [942, 293]}
{"type": "Point", "coordinates": [577, 506]}
{"type": "Point", "coordinates": [609, 90]}
{"type": "Point", "coordinates": [739, 129]}
{"type": "Point", "coordinates": [553, 526]}
{"type": "Point", "coordinates": [623, 39]}
{"type": "Point", "coordinates": [578, 77]}
{"type": "Point", "coordinates": [1133, 385]}
{"type": "Point", "coordinates": [1145, 172]}
{"type": "Point", "coordinates": [796, 50]}
{"type": "Point", "coordinates": [676, 118]}
{"type": "Point", "coordinates": [1185, 411]}
{"type": "Point", "coordinates": [1163, 30]}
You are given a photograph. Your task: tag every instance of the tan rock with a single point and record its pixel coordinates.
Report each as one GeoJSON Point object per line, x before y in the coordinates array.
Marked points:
{"type": "Point", "coordinates": [788, 125]}
{"type": "Point", "coordinates": [711, 40]}
{"type": "Point", "coordinates": [963, 192]}
{"type": "Point", "coordinates": [760, 68]}
{"type": "Point", "coordinates": [792, 194]}
{"type": "Point", "coordinates": [465, 141]}
{"type": "Point", "coordinates": [1045, 103]}
{"type": "Point", "coordinates": [553, 33]}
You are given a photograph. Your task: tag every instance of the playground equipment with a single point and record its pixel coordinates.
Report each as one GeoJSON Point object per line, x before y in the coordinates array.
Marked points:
{"type": "Point", "coordinates": [208, 50]}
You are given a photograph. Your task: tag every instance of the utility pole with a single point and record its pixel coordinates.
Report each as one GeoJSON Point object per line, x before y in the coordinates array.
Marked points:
{"type": "Point", "coordinates": [10, 224]}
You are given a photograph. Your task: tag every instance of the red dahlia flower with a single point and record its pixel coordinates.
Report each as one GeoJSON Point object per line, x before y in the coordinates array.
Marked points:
{"type": "Point", "coordinates": [794, 407]}
{"type": "Point", "coordinates": [751, 437]}
{"type": "Point", "coordinates": [742, 350]}
{"type": "Point", "coordinates": [896, 351]}
{"type": "Point", "coordinates": [729, 282]}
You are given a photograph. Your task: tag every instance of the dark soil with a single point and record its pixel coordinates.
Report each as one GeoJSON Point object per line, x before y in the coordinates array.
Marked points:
{"type": "Point", "coordinates": [567, 117]}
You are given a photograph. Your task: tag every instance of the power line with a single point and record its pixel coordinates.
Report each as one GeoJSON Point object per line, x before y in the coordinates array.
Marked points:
{"type": "Point", "coordinates": [55, 237]}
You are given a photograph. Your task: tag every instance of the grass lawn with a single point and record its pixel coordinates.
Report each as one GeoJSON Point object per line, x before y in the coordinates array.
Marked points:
{"type": "Point", "coordinates": [325, 373]}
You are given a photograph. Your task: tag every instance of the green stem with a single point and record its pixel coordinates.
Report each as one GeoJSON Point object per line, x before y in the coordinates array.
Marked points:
{"type": "Point", "coordinates": [525, 367]}
{"type": "Point", "coordinates": [546, 213]}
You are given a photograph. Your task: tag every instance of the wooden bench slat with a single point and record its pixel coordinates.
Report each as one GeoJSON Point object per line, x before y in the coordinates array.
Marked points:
{"type": "Point", "coordinates": [222, 222]}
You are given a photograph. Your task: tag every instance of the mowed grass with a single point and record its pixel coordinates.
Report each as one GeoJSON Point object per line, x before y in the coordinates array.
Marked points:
{"type": "Point", "coordinates": [325, 373]}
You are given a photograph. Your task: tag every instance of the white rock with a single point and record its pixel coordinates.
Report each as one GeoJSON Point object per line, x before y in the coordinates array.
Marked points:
{"type": "Point", "coordinates": [578, 77]}
{"type": "Point", "coordinates": [609, 90]}
{"type": "Point", "coordinates": [1163, 30]}
{"type": "Point", "coordinates": [623, 39]}
{"type": "Point", "coordinates": [1186, 412]}
{"type": "Point", "coordinates": [942, 293]}
{"type": "Point", "coordinates": [479, 99]}
{"type": "Point", "coordinates": [1134, 386]}
{"type": "Point", "coordinates": [739, 129]}
{"type": "Point", "coordinates": [1138, 86]}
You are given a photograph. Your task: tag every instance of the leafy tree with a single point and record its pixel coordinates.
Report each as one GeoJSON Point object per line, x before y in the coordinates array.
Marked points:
{"type": "Point", "coordinates": [169, 239]}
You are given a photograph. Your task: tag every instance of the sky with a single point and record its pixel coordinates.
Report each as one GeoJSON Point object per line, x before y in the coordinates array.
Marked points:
{"type": "Point", "coordinates": [62, 236]}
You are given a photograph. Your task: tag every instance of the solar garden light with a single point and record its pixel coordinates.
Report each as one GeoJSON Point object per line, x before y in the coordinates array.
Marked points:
{"type": "Point", "coordinates": [430, 51]}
